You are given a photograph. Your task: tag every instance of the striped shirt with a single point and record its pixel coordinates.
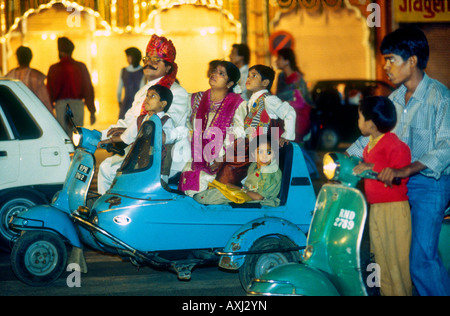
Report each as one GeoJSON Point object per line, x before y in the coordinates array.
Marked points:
{"type": "Point", "coordinates": [423, 124]}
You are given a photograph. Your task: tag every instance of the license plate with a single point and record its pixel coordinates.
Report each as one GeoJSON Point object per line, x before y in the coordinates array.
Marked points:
{"type": "Point", "coordinates": [84, 169]}
{"type": "Point", "coordinates": [80, 176]}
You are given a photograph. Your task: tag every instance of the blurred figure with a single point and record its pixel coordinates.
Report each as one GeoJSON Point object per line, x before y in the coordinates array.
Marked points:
{"type": "Point", "coordinates": [32, 78]}
{"type": "Point", "coordinates": [130, 81]}
{"type": "Point", "coordinates": [69, 82]}
{"type": "Point", "coordinates": [291, 87]}
{"type": "Point", "coordinates": [240, 57]}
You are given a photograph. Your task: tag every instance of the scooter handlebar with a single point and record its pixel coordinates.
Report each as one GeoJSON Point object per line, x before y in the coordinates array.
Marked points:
{"type": "Point", "coordinates": [370, 174]}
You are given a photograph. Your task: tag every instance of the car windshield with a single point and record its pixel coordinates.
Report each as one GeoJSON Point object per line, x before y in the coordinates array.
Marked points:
{"type": "Point", "coordinates": [140, 156]}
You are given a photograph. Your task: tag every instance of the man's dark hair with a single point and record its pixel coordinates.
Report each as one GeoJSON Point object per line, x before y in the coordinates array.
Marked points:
{"type": "Point", "coordinates": [164, 94]}
{"type": "Point", "coordinates": [244, 51]}
{"type": "Point", "coordinates": [381, 111]}
{"type": "Point", "coordinates": [135, 54]}
{"type": "Point", "coordinates": [266, 72]}
{"type": "Point", "coordinates": [24, 56]}
{"type": "Point", "coordinates": [407, 42]}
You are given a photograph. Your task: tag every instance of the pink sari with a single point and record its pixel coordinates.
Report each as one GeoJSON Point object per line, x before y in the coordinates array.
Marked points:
{"type": "Point", "coordinates": [203, 135]}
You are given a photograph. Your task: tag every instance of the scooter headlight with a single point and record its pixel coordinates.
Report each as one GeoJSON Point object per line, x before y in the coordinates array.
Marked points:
{"type": "Point", "coordinates": [329, 166]}
{"type": "Point", "coordinates": [339, 167]}
{"type": "Point", "coordinates": [88, 139]}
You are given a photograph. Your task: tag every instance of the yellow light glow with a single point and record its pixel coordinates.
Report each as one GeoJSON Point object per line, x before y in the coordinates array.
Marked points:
{"type": "Point", "coordinates": [52, 37]}
{"type": "Point", "coordinates": [329, 167]}
{"type": "Point", "coordinates": [95, 77]}
{"type": "Point", "coordinates": [44, 36]}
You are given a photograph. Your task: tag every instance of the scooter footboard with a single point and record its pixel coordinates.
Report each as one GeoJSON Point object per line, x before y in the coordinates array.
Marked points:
{"type": "Point", "coordinates": [293, 279]}
{"type": "Point", "coordinates": [46, 217]}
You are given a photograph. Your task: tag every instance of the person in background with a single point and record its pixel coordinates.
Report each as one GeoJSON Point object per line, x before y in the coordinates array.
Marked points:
{"type": "Point", "coordinates": [291, 87]}
{"type": "Point", "coordinates": [390, 218]}
{"type": "Point", "coordinates": [32, 78]}
{"type": "Point", "coordinates": [130, 81]}
{"type": "Point", "coordinates": [69, 83]}
{"type": "Point", "coordinates": [423, 123]}
{"type": "Point", "coordinates": [240, 57]}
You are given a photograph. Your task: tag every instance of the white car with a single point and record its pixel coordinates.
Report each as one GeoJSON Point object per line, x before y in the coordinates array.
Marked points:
{"type": "Point", "coordinates": [35, 153]}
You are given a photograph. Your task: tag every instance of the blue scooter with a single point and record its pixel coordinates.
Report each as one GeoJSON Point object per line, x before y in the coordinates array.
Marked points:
{"type": "Point", "coordinates": [141, 219]}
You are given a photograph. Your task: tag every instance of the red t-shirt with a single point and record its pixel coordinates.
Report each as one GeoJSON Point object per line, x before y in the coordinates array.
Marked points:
{"type": "Point", "coordinates": [390, 152]}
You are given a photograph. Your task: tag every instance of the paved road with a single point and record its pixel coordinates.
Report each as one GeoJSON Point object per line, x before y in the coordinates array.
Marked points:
{"type": "Point", "coordinates": [109, 275]}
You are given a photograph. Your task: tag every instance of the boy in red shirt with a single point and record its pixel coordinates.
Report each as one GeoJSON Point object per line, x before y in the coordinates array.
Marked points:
{"type": "Point", "coordinates": [390, 220]}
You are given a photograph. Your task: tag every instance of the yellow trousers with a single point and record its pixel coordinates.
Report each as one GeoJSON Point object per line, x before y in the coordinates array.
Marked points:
{"type": "Point", "coordinates": [390, 242]}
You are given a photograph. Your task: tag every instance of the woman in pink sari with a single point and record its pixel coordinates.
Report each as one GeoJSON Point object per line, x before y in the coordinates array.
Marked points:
{"type": "Point", "coordinates": [212, 115]}
{"type": "Point", "coordinates": [291, 87]}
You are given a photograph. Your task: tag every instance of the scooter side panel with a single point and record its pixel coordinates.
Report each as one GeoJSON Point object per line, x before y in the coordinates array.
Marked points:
{"type": "Point", "coordinates": [335, 237]}
{"type": "Point", "coordinates": [293, 279]}
{"type": "Point", "coordinates": [46, 217]}
{"type": "Point", "coordinates": [77, 183]}
{"type": "Point", "coordinates": [246, 235]}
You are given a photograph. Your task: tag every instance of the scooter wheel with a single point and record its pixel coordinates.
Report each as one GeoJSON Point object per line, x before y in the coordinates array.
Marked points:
{"type": "Point", "coordinates": [38, 258]}
{"type": "Point", "coordinates": [255, 265]}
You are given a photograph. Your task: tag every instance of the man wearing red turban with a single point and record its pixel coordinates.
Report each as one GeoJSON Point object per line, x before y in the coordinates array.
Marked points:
{"type": "Point", "coordinates": [159, 68]}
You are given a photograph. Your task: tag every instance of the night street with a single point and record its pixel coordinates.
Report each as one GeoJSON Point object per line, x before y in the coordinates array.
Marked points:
{"type": "Point", "coordinates": [109, 275]}
{"type": "Point", "coordinates": [226, 155]}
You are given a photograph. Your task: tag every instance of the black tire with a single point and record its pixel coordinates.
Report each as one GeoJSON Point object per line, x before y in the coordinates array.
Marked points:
{"type": "Point", "coordinates": [11, 205]}
{"type": "Point", "coordinates": [38, 258]}
{"type": "Point", "coordinates": [255, 265]}
{"type": "Point", "coordinates": [329, 139]}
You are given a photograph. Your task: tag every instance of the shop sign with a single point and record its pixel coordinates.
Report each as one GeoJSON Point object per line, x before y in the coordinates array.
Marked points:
{"type": "Point", "coordinates": [422, 10]}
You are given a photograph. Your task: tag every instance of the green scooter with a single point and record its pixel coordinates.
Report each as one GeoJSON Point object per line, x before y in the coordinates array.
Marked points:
{"type": "Point", "coordinates": [336, 260]}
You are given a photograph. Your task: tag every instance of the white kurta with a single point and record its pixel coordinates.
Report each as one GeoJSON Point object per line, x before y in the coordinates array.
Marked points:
{"type": "Point", "coordinates": [175, 133]}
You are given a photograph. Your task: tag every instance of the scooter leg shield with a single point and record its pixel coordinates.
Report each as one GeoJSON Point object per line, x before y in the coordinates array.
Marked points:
{"type": "Point", "coordinates": [46, 217]}
{"type": "Point", "coordinates": [293, 279]}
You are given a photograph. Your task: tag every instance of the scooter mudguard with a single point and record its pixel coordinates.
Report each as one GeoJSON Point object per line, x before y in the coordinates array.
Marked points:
{"type": "Point", "coordinates": [243, 239]}
{"type": "Point", "coordinates": [443, 248]}
{"type": "Point", "coordinates": [48, 218]}
{"type": "Point", "coordinates": [293, 279]}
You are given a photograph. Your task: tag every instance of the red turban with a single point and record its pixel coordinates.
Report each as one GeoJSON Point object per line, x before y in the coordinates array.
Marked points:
{"type": "Point", "coordinates": [164, 49]}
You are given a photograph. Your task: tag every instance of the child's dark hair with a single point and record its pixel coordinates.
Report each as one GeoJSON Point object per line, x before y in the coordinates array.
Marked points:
{"type": "Point", "coordinates": [407, 42]}
{"type": "Point", "coordinates": [164, 94]}
{"type": "Point", "coordinates": [266, 72]}
{"type": "Point", "coordinates": [381, 111]}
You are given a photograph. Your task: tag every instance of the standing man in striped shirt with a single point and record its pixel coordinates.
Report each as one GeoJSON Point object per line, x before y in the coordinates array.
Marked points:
{"type": "Point", "coordinates": [422, 105]}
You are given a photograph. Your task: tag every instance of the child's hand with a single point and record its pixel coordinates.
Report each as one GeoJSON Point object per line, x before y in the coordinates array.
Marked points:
{"type": "Point", "coordinates": [361, 167]}
{"type": "Point", "coordinates": [283, 141]}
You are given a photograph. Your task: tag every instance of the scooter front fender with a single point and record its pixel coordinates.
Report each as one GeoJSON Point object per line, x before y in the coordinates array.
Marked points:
{"type": "Point", "coordinates": [293, 279]}
{"type": "Point", "coordinates": [233, 255]}
{"type": "Point", "coordinates": [46, 217]}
